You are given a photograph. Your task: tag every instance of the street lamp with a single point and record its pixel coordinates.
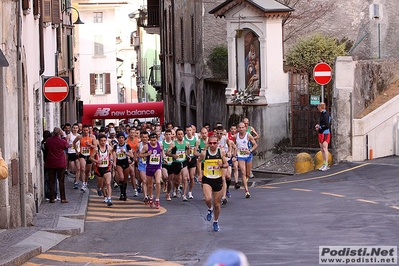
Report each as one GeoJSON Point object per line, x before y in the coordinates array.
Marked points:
{"type": "Point", "coordinates": [78, 21]}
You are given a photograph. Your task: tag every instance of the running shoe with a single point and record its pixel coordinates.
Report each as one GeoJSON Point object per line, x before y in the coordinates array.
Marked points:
{"type": "Point", "coordinates": [216, 227]}
{"type": "Point", "coordinates": [325, 168]}
{"type": "Point", "coordinates": [139, 189]}
{"type": "Point", "coordinates": [91, 176]}
{"type": "Point", "coordinates": [109, 202]}
{"type": "Point", "coordinates": [157, 204]}
{"type": "Point", "coordinates": [184, 198]}
{"type": "Point", "coordinates": [57, 198]}
{"type": "Point", "coordinates": [151, 203]}
{"type": "Point", "coordinates": [251, 175]}
{"type": "Point", "coordinates": [321, 167]}
{"type": "Point", "coordinates": [174, 194]}
{"type": "Point", "coordinates": [196, 179]}
{"type": "Point", "coordinates": [145, 200]}
{"type": "Point", "coordinates": [209, 215]}
{"type": "Point", "coordinates": [83, 188]}
{"type": "Point", "coordinates": [76, 185]}
{"type": "Point", "coordinates": [124, 197]}
{"type": "Point", "coordinates": [115, 184]}
{"type": "Point", "coordinates": [135, 193]}
{"type": "Point", "coordinates": [105, 200]}
{"type": "Point", "coordinates": [121, 197]}
{"type": "Point", "coordinates": [247, 195]}
{"type": "Point", "coordinates": [168, 197]}
{"type": "Point", "coordinates": [228, 194]}
{"type": "Point", "coordinates": [190, 195]}
{"type": "Point", "coordinates": [236, 186]}
{"type": "Point", "coordinates": [224, 201]}
{"type": "Point", "coordinates": [99, 192]}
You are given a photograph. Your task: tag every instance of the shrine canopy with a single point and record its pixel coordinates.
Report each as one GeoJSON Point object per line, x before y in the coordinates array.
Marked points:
{"type": "Point", "coordinates": [122, 111]}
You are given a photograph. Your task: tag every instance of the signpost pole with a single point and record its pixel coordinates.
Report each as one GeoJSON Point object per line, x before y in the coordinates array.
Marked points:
{"type": "Point", "coordinates": [322, 93]}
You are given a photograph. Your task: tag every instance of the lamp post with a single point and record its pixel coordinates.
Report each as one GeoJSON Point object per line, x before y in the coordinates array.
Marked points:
{"type": "Point", "coordinates": [78, 21]}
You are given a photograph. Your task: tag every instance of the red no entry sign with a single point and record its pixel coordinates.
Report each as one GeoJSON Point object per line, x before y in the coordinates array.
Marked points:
{"type": "Point", "coordinates": [55, 89]}
{"type": "Point", "coordinates": [322, 73]}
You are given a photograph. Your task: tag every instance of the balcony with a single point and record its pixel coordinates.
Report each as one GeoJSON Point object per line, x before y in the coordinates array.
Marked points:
{"type": "Point", "coordinates": [149, 17]}
{"type": "Point", "coordinates": [155, 77]}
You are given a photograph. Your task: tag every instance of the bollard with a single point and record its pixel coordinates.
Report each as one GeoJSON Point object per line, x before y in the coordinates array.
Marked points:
{"type": "Point", "coordinates": [303, 163]}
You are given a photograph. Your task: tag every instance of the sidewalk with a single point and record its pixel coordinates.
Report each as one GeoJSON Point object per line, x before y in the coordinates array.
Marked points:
{"type": "Point", "coordinates": [52, 224]}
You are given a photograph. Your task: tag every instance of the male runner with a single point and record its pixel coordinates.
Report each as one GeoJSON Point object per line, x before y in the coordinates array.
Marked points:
{"type": "Point", "coordinates": [167, 172]}
{"type": "Point", "coordinates": [133, 142]}
{"type": "Point", "coordinates": [153, 151]}
{"type": "Point", "coordinates": [244, 154]}
{"type": "Point", "coordinates": [73, 159]}
{"type": "Point", "coordinates": [142, 164]}
{"type": "Point", "coordinates": [87, 144]}
{"type": "Point", "coordinates": [231, 135]}
{"type": "Point", "coordinates": [214, 160]}
{"type": "Point", "coordinates": [103, 162]}
{"type": "Point", "coordinates": [179, 150]}
{"type": "Point", "coordinates": [192, 164]}
{"type": "Point", "coordinates": [122, 154]}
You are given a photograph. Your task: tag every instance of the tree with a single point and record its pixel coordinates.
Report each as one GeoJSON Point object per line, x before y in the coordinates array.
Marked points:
{"type": "Point", "coordinates": [218, 62]}
{"type": "Point", "coordinates": [303, 19]}
{"type": "Point", "coordinates": [310, 51]}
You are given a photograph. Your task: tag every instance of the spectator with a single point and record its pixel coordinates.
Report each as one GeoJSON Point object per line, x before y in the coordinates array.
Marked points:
{"type": "Point", "coordinates": [3, 167]}
{"type": "Point", "coordinates": [56, 163]}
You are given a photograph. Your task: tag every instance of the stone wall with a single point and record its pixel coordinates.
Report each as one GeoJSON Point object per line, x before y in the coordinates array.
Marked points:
{"type": "Point", "coordinates": [352, 19]}
{"type": "Point", "coordinates": [356, 84]}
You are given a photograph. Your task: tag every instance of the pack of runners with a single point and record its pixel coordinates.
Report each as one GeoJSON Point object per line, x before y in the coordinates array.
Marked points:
{"type": "Point", "coordinates": [169, 159]}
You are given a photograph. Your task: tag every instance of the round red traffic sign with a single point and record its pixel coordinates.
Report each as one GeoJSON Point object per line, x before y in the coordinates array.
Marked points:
{"type": "Point", "coordinates": [322, 73]}
{"type": "Point", "coordinates": [55, 89]}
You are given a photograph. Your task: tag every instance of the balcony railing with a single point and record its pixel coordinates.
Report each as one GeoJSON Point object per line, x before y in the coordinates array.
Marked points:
{"type": "Point", "coordinates": [149, 16]}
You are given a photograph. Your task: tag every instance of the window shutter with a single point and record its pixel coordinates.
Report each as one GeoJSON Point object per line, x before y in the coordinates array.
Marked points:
{"type": "Point", "coordinates": [46, 10]}
{"type": "Point", "coordinates": [36, 7]}
{"type": "Point", "coordinates": [25, 4]}
{"type": "Point", "coordinates": [70, 52]}
{"type": "Point", "coordinates": [92, 83]}
{"type": "Point", "coordinates": [56, 19]}
{"type": "Point", "coordinates": [107, 83]}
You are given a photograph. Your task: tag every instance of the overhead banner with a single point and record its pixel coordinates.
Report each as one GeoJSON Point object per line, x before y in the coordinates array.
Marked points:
{"type": "Point", "coordinates": [122, 111]}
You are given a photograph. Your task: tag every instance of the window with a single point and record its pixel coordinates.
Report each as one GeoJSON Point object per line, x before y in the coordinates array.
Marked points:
{"type": "Point", "coordinates": [192, 39]}
{"type": "Point", "coordinates": [98, 45]}
{"type": "Point", "coordinates": [182, 40]}
{"type": "Point", "coordinates": [98, 17]}
{"type": "Point", "coordinates": [100, 84]}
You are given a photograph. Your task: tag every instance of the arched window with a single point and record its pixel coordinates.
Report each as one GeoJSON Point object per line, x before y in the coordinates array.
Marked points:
{"type": "Point", "coordinates": [183, 108]}
{"type": "Point", "coordinates": [193, 108]}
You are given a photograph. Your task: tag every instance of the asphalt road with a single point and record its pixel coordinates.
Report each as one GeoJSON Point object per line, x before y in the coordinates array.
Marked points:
{"type": "Point", "coordinates": [283, 223]}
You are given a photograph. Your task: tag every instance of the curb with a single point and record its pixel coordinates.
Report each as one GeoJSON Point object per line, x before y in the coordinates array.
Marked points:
{"type": "Point", "coordinates": [68, 225]}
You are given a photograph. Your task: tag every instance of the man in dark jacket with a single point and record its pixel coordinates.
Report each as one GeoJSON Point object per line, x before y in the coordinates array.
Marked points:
{"type": "Point", "coordinates": [323, 129]}
{"type": "Point", "coordinates": [56, 163]}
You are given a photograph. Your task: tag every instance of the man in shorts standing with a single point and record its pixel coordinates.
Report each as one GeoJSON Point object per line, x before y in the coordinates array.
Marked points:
{"type": "Point", "coordinates": [323, 129]}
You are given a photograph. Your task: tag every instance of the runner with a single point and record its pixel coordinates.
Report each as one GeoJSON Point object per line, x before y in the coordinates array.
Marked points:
{"type": "Point", "coordinates": [153, 151]}
{"type": "Point", "coordinates": [244, 154]}
{"type": "Point", "coordinates": [226, 145]}
{"type": "Point", "coordinates": [101, 158]}
{"type": "Point", "coordinates": [73, 158]}
{"type": "Point", "coordinates": [122, 154]}
{"type": "Point", "coordinates": [133, 142]}
{"type": "Point", "coordinates": [179, 150]}
{"type": "Point", "coordinates": [87, 144]}
{"type": "Point", "coordinates": [231, 135]}
{"type": "Point", "coordinates": [167, 172]}
{"type": "Point", "coordinates": [142, 164]}
{"type": "Point", "coordinates": [214, 160]}
{"type": "Point", "coordinates": [254, 134]}
{"type": "Point", "coordinates": [192, 163]}
{"type": "Point", "coordinates": [203, 145]}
